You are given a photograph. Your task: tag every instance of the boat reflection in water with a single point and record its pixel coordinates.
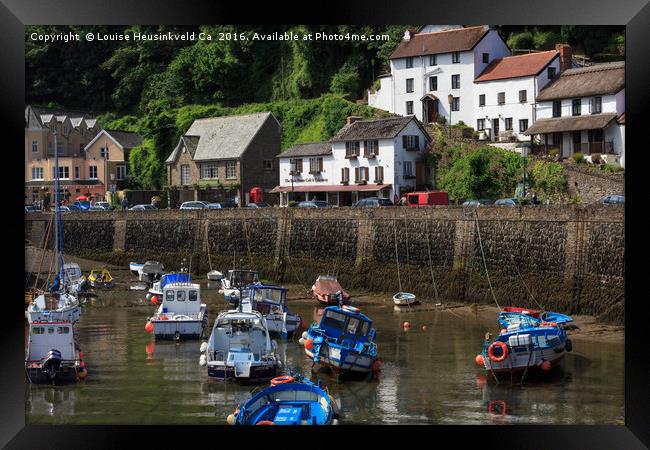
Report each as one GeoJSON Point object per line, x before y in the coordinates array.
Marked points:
{"type": "Point", "coordinates": [53, 401]}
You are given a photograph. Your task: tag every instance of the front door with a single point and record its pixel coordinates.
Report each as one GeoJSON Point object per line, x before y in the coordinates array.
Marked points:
{"type": "Point", "coordinates": [345, 198]}
{"type": "Point", "coordinates": [432, 110]}
{"type": "Point", "coordinates": [495, 129]}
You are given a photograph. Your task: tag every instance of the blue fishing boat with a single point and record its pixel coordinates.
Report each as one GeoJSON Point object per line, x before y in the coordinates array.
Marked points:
{"type": "Point", "coordinates": [562, 320]}
{"type": "Point", "coordinates": [158, 287]}
{"type": "Point", "coordinates": [525, 343]}
{"type": "Point", "coordinates": [290, 400]}
{"type": "Point", "coordinates": [344, 340]}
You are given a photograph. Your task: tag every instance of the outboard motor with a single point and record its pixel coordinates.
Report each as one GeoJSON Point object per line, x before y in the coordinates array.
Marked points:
{"type": "Point", "coordinates": [52, 364]}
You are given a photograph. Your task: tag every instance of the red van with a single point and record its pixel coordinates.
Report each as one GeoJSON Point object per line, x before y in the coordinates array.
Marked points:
{"type": "Point", "coordinates": [427, 198]}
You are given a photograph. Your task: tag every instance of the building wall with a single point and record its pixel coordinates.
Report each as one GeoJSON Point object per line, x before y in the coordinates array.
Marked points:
{"type": "Point", "coordinates": [382, 99]}
{"type": "Point", "coordinates": [175, 169]}
{"type": "Point", "coordinates": [106, 168]}
{"type": "Point", "coordinates": [609, 105]}
{"type": "Point", "coordinates": [266, 145]}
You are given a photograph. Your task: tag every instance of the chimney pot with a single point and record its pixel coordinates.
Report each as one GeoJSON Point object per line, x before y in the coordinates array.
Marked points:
{"type": "Point", "coordinates": [565, 56]}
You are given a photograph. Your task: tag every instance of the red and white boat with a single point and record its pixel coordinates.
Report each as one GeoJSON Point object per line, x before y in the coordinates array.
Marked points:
{"type": "Point", "coordinates": [327, 290]}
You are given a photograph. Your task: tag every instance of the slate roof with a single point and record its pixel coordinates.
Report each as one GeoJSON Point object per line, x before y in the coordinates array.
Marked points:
{"type": "Point", "coordinates": [571, 123]}
{"type": "Point", "coordinates": [599, 79]}
{"type": "Point", "coordinates": [455, 40]}
{"type": "Point", "coordinates": [126, 139]}
{"type": "Point", "coordinates": [225, 137]}
{"type": "Point", "coordinates": [43, 115]}
{"type": "Point", "coordinates": [526, 65]}
{"type": "Point", "coordinates": [386, 128]}
{"type": "Point", "coordinates": [308, 149]}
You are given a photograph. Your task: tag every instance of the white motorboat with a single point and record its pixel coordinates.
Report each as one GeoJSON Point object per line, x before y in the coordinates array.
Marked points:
{"type": "Point", "coordinates": [150, 271]}
{"type": "Point", "coordinates": [75, 279]}
{"type": "Point", "coordinates": [136, 268]}
{"type": "Point", "coordinates": [404, 298]}
{"type": "Point", "coordinates": [215, 275]}
{"type": "Point", "coordinates": [54, 306]}
{"type": "Point", "coordinates": [52, 355]}
{"type": "Point", "coordinates": [236, 279]}
{"type": "Point", "coordinates": [181, 315]}
{"type": "Point", "coordinates": [240, 349]}
{"type": "Point", "coordinates": [271, 301]}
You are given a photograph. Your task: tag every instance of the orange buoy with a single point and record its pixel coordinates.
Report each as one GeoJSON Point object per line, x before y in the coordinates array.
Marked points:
{"type": "Point", "coordinates": [479, 360]}
{"type": "Point", "coordinates": [546, 366]}
{"type": "Point", "coordinates": [148, 327]}
{"type": "Point", "coordinates": [424, 328]}
{"type": "Point", "coordinates": [309, 343]}
{"type": "Point", "coordinates": [150, 347]}
{"type": "Point", "coordinates": [154, 299]}
{"type": "Point", "coordinates": [264, 422]}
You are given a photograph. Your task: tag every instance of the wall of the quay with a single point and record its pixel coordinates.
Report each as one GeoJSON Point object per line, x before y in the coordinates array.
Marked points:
{"type": "Point", "coordinates": [568, 258]}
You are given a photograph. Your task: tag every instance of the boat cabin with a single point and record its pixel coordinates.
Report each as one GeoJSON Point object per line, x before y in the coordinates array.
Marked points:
{"type": "Point", "coordinates": [45, 336]}
{"type": "Point", "coordinates": [242, 278]}
{"type": "Point", "coordinates": [181, 298]}
{"type": "Point", "coordinates": [239, 334]}
{"type": "Point", "coordinates": [268, 299]}
{"type": "Point", "coordinates": [347, 324]}
{"type": "Point", "coordinates": [168, 278]}
{"type": "Point", "coordinates": [71, 271]}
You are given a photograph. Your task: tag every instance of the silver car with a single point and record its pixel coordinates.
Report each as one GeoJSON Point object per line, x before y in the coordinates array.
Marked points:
{"type": "Point", "coordinates": [193, 205]}
{"type": "Point", "coordinates": [142, 208]}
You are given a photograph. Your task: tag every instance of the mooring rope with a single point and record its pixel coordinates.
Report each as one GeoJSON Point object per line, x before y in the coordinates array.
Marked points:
{"type": "Point", "coordinates": [399, 279]}
{"type": "Point", "coordinates": [487, 274]}
{"type": "Point", "coordinates": [433, 280]}
{"type": "Point", "coordinates": [524, 283]}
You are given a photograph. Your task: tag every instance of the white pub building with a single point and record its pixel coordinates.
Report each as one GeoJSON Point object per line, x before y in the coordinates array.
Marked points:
{"type": "Point", "coordinates": [366, 158]}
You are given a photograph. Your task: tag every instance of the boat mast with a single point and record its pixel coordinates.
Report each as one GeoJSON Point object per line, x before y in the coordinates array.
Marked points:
{"type": "Point", "coordinates": [58, 256]}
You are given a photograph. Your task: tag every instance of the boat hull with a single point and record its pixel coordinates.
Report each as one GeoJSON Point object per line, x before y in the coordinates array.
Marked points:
{"type": "Point", "coordinates": [257, 374]}
{"type": "Point", "coordinates": [186, 329]}
{"type": "Point", "coordinates": [343, 361]}
{"type": "Point", "coordinates": [67, 315]}
{"type": "Point", "coordinates": [65, 375]}
{"type": "Point", "coordinates": [522, 361]}
{"type": "Point", "coordinates": [101, 284]}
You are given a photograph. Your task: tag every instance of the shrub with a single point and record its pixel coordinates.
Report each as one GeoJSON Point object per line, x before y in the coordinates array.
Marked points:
{"type": "Point", "coordinates": [553, 153]}
{"type": "Point", "coordinates": [578, 158]}
{"type": "Point", "coordinates": [549, 179]}
{"type": "Point", "coordinates": [545, 40]}
{"type": "Point", "coordinates": [523, 40]}
{"type": "Point", "coordinates": [595, 158]}
{"type": "Point", "coordinates": [442, 120]}
{"type": "Point", "coordinates": [292, 203]}
{"type": "Point", "coordinates": [612, 168]}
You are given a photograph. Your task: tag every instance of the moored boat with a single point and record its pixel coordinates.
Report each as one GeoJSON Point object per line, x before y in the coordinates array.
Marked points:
{"type": "Point", "coordinates": [240, 349]}
{"type": "Point", "coordinates": [52, 355]}
{"type": "Point", "coordinates": [526, 343]}
{"type": "Point", "coordinates": [173, 277]}
{"type": "Point", "coordinates": [327, 290]}
{"type": "Point", "coordinates": [236, 283]}
{"type": "Point", "coordinates": [136, 268]}
{"type": "Point", "coordinates": [271, 301]}
{"type": "Point", "coordinates": [404, 298]}
{"type": "Point", "coordinates": [57, 306]}
{"type": "Point", "coordinates": [547, 316]}
{"type": "Point", "coordinates": [344, 340]}
{"type": "Point", "coordinates": [289, 400]}
{"type": "Point", "coordinates": [181, 315]}
{"type": "Point", "coordinates": [100, 278]}
{"type": "Point", "coordinates": [215, 275]}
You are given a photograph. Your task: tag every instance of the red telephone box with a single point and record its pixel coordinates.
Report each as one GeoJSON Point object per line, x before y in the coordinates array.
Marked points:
{"type": "Point", "coordinates": [257, 195]}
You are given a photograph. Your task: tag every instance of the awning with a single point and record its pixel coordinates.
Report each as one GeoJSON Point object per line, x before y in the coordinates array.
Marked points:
{"type": "Point", "coordinates": [332, 188]}
{"type": "Point", "coordinates": [574, 123]}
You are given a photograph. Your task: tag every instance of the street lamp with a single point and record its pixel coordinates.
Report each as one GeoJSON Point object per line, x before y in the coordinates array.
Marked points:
{"type": "Point", "coordinates": [524, 153]}
{"type": "Point", "coordinates": [450, 99]}
{"type": "Point", "coordinates": [292, 171]}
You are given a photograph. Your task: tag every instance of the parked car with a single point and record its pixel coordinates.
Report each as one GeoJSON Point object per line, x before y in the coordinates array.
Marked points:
{"type": "Point", "coordinates": [107, 206]}
{"type": "Point", "coordinates": [220, 205]}
{"type": "Point", "coordinates": [31, 208]}
{"type": "Point", "coordinates": [483, 201]}
{"type": "Point", "coordinates": [97, 208]}
{"type": "Point", "coordinates": [63, 209]}
{"type": "Point", "coordinates": [194, 205]}
{"type": "Point", "coordinates": [374, 201]}
{"type": "Point", "coordinates": [427, 198]}
{"type": "Point", "coordinates": [614, 199]}
{"type": "Point", "coordinates": [258, 205]}
{"type": "Point", "coordinates": [508, 202]}
{"type": "Point", "coordinates": [74, 207]}
{"type": "Point", "coordinates": [313, 204]}
{"type": "Point", "coordinates": [142, 208]}
{"type": "Point", "coordinates": [82, 204]}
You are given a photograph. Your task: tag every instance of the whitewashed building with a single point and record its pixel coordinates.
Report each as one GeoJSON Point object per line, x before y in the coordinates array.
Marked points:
{"type": "Point", "coordinates": [430, 66]}
{"type": "Point", "coordinates": [506, 90]}
{"type": "Point", "coordinates": [366, 158]}
{"type": "Point", "coordinates": [583, 110]}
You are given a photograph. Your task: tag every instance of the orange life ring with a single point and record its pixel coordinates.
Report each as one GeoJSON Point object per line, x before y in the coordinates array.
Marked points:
{"type": "Point", "coordinates": [281, 380]}
{"type": "Point", "coordinates": [264, 422]}
{"type": "Point", "coordinates": [504, 351]}
{"type": "Point", "coordinates": [498, 407]}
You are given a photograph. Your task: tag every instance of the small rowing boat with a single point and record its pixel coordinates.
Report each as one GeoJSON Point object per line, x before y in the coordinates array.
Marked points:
{"type": "Point", "coordinates": [404, 298]}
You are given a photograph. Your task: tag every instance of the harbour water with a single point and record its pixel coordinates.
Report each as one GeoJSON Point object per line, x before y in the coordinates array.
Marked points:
{"type": "Point", "coordinates": [428, 374]}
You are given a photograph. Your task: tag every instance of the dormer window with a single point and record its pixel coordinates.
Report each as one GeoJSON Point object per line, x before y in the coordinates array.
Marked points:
{"type": "Point", "coordinates": [550, 72]}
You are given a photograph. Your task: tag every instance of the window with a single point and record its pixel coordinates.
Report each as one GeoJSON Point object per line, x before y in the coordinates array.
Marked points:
{"type": "Point", "coordinates": [63, 330]}
{"type": "Point", "coordinates": [59, 148]}
{"type": "Point", "coordinates": [296, 166]}
{"type": "Point", "coordinates": [121, 172]}
{"type": "Point", "coordinates": [345, 175]}
{"type": "Point", "coordinates": [352, 149]}
{"type": "Point", "coordinates": [480, 125]}
{"type": "Point", "coordinates": [180, 296]}
{"type": "Point", "coordinates": [38, 330]}
{"type": "Point", "coordinates": [81, 149]}
{"type": "Point", "coordinates": [231, 169]}
{"type": "Point", "coordinates": [577, 137]}
{"type": "Point", "coordinates": [432, 60]}
{"type": "Point", "coordinates": [455, 57]}
{"type": "Point", "coordinates": [185, 174]}
{"type": "Point", "coordinates": [550, 72]}
{"type": "Point", "coordinates": [455, 81]}
{"type": "Point", "coordinates": [522, 96]}
{"type": "Point", "coordinates": [82, 131]}
{"type": "Point", "coordinates": [193, 296]}
{"type": "Point", "coordinates": [50, 330]}
{"type": "Point", "coordinates": [371, 148]}
{"type": "Point", "coordinates": [34, 146]}
{"type": "Point", "coordinates": [92, 172]}
{"type": "Point", "coordinates": [409, 85]}
{"type": "Point", "coordinates": [77, 172]}
{"type": "Point", "coordinates": [557, 108]}
{"type": "Point", "coordinates": [409, 62]}
{"type": "Point", "coordinates": [267, 164]}
{"type": "Point", "coordinates": [209, 170]}
{"type": "Point", "coordinates": [596, 105]}
{"type": "Point", "coordinates": [379, 174]}
{"type": "Point", "coordinates": [66, 129]}
{"type": "Point", "coordinates": [409, 108]}
{"type": "Point", "coordinates": [408, 168]}
{"type": "Point", "coordinates": [486, 58]}
{"type": "Point", "coordinates": [455, 104]}
{"type": "Point", "coordinates": [576, 106]}
{"type": "Point", "coordinates": [352, 325]}
{"type": "Point", "coordinates": [315, 165]}
{"type": "Point", "coordinates": [411, 142]}
{"type": "Point", "coordinates": [501, 98]}
{"type": "Point", "coordinates": [103, 152]}
{"type": "Point", "coordinates": [433, 83]}
{"type": "Point", "coordinates": [37, 173]}
{"type": "Point", "coordinates": [508, 123]}
{"type": "Point", "coordinates": [169, 296]}
{"type": "Point", "coordinates": [361, 174]}
{"type": "Point", "coordinates": [481, 100]}
{"type": "Point", "coordinates": [64, 172]}
{"type": "Point", "coordinates": [523, 125]}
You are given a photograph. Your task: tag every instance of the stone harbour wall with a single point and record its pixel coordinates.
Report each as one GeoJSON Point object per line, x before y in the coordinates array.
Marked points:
{"type": "Point", "coordinates": [568, 258]}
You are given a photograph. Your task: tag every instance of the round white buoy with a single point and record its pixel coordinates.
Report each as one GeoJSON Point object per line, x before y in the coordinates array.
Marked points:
{"type": "Point", "coordinates": [301, 341]}
{"type": "Point", "coordinates": [203, 360]}
{"type": "Point", "coordinates": [204, 347]}
{"type": "Point", "coordinates": [335, 421]}
{"type": "Point", "coordinates": [304, 335]}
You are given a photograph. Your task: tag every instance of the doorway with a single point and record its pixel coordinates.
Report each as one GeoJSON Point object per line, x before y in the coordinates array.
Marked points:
{"type": "Point", "coordinates": [495, 129]}
{"type": "Point", "coordinates": [430, 110]}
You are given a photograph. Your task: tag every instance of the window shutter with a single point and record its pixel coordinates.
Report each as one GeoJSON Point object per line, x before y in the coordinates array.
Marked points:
{"type": "Point", "coordinates": [376, 147]}
{"type": "Point", "coordinates": [404, 143]}
{"type": "Point", "coordinates": [417, 141]}
{"type": "Point", "coordinates": [365, 149]}
{"type": "Point", "coordinates": [320, 164]}
{"type": "Point", "coordinates": [356, 174]}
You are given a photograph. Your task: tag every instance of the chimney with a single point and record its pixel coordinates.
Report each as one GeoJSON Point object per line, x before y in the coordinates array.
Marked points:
{"type": "Point", "coordinates": [565, 56]}
{"type": "Point", "coordinates": [352, 119]}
